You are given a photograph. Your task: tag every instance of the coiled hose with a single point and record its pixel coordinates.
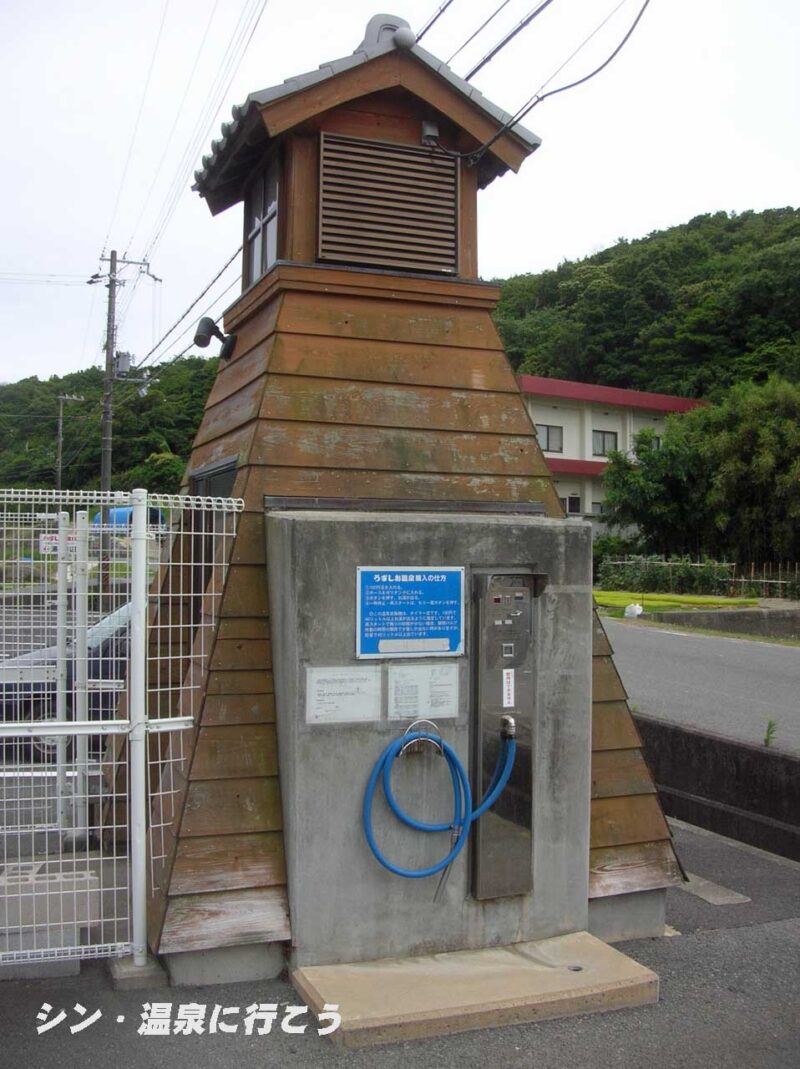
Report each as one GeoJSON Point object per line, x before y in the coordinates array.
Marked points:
{"type": "Point", "coordinates": [463, 814]}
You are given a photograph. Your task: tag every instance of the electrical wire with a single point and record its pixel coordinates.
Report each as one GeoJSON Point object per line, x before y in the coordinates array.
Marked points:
{"type": "Point", "coordinates": [132, 141]}
{"type": "Point", "coordinates": [434, 18]}
{"type": "Point", "coordinates": [185, 313]}
{"type": "Point", "coordinates": [236, 49]}
{"type": "Point", "coordinates": [501, 44]}
{"type": "Point", "coordinates": [476, 155]}
{"type": "Point", "coordinates": [480, 29]}
{"type": "Point", "coordinates": [178, 112]}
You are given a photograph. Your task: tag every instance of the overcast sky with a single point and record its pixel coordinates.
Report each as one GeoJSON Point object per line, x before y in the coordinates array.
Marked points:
{"type": "Point", "coordinates": [697, 114]}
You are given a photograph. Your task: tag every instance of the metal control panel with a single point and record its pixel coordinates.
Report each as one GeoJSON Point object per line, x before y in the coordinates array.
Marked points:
{"type": "Point", "coordinates": [503, 683]}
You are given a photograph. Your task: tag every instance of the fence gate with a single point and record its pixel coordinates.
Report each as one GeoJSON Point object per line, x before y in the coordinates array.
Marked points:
{"type": "Point", "coordinates": [107, 612]}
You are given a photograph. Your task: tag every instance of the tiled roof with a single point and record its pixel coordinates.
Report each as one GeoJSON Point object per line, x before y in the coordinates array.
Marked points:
{"type": "Point", "coordinates": [384, 34]}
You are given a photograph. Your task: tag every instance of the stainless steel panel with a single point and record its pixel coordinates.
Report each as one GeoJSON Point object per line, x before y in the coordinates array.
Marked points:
{"type": "Point", "coordinates": [503, 666]}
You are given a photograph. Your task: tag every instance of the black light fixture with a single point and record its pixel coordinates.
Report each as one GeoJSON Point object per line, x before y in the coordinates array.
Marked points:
{"type": "Point", "coordinates": [208, 329]}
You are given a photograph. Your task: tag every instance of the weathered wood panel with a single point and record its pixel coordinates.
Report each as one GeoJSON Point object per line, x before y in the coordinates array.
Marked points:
{"type": "Point", "coordinates": [238, 709]}
{"type": "Point", "coordinates": [232, 653]}
{"type": "Point", "coordinates": [393, 362]}
{"type": "Point", "coordinates": [613, 727]}
{"type": "Point", "coordinates": [620, 821]}
{"type": "Point", "coordinates": [234, 444]}
{"type": "Point", "coordinates": [468, 223]}
{"type": "Point", "coordinates": [246, 586]}
{"type": "Point", "coordinates": [231, 751]}
{"type": "Point", "coordinates": [311, 482]}
{"type": "Point", "coordinates": [606, 684]}
{"type": "Point", "coordinates": [226, 806]}
{"type": "Point", "coordinates": [250, 547]}
{"type": "Point", "coordinates": [240, 682]}
{"type": "Point", "coordinates": [616, 773]}
{"type": "Point", "coordinates": [228, 863]}
{"type": "Point", "coordinates": [343, 285]}
{"type": "Point", "coordinates": [413, 322]}
{"type": "Point", "coordinates": [326, 445]}
{"type": "Point", "coordinates": [240, 371]}
{"type": "Point", "coordinates": [231, 414]}
{"type": "Point", "coordinates": [294, 397]}
{"type": "Point", "coordinates": [301, 191]}
{"type": "Point", "coordinates": [601, 646]}
{"type": "Point", "coordinates": [252, 321]}
{"type": "Point", "coordinates": [201, 922]}
{"type": "Point", "coordinates": [243, 627]}
{"type": "Point", "coordinates": [619, 870]}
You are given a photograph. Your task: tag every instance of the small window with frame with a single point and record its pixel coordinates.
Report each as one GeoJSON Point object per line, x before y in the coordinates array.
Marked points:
{"type": "Point", "coordinates": [551, 437]}
{"type": "Point", "coordinates": [603, 442]}
{"type": "Point", "coordinates": [261, 222]}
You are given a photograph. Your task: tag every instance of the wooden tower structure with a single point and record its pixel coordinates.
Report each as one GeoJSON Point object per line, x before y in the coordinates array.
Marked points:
{"type": "Point", "coordinates": [366, 366]}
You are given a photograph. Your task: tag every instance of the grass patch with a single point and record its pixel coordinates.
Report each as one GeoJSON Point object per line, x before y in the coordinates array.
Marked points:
{"type": "Point", "coordinates": [614, 601]}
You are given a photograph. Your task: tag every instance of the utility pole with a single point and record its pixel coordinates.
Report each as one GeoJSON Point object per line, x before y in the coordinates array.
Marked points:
{"type": "Point", "coordinates": [62, 397]}
{"type": "Point", "coordinates": [111, 342]}
{"type": "Point", "coordinates": [108, 378]}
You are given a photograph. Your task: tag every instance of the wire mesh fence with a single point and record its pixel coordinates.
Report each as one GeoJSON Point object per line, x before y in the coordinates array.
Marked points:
{"type": "Point", "coordinates": [107, 610]}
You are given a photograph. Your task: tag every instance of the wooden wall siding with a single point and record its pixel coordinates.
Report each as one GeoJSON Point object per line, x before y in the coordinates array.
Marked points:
{"type": "Point", "coordinates": [231, 918]}
{"type": "Point", "coordinates": [617, 870]}
{"type": "Point", "coordinates": [631, 845]}
{"type": "Point", "coordinates": [393, 362]}
{"type": "Point", "coordinates": [324, 385]}
{"type": "Point", "coordinates": [228, 863]}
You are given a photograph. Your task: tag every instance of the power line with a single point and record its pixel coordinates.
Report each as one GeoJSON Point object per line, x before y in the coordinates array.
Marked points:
{"type": "Point", "coordinates": [434, 18]}
{"type": "Point", "coordinates": [178, 112]}
{"type": "Point", "coordinates": [480, 29]}
{"type": "Point", "coordinates": [194, 303]}
{"type": "Point", "coordinates": [476, 155]}
{"type": "Point", "coordinates": [132, 141]}
{"type": "Point", "coordinates": [246, 26]}
{"type": "Point", "coordinates": [508, 37]}
{"type": "Point", "coordinates": [237, 47]}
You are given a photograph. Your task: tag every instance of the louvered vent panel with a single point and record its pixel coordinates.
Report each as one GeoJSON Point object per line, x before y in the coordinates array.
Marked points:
{"type": "Point", "coordinates": [387, 205]}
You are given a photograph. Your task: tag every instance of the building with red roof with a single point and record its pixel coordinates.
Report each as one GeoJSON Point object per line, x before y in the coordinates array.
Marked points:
{"type": "Point", "coordinates": [579, 424]}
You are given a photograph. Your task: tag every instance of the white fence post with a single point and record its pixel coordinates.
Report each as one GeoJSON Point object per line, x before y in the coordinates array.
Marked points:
{"type": "Point", "coordinates": [80, 810]}
{"type": "Point", "coordinates": [62, 594]}
{"type": "Point", "coordinates": [137, 714]}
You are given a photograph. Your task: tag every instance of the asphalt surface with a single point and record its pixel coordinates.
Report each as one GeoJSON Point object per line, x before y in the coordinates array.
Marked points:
{"type": "Point", "coordinates": [728, 686]}
{"type": "Point", "coordinates": [730, 999]}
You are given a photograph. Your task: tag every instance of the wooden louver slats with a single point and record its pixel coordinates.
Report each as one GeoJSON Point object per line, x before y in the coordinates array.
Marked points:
{"type": "Point", "coordinates": [387, 205]}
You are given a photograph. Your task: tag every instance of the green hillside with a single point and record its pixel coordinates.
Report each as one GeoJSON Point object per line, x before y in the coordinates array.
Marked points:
{"type": "Point", "coordinates": [152, 433]}
{"type": "Point", "coordinates": [690, 310]}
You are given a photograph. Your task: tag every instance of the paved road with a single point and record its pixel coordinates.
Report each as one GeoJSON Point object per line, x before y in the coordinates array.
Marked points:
{"type": "Point", "coordinates": [730, 686]}
{"type": "Point", "coordinates": [729, 998]}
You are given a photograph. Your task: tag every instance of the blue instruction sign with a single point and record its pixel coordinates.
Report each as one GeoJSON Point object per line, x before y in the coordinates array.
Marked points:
{"type": "Point", "coordinates": [409, 612]}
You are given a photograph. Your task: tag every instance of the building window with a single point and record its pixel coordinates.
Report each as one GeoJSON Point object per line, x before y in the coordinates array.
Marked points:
{"type": "Point", "coordinates": [603, 442]}
{"type": "Point", "coordinates": [656, 441]}
{"type": "Point", "coordinates": [573, 505]}
{"type": "Point", "coordinates": [551, 437]}
{"type": "Point", "coordinates": [261, 223]}
{"type": "Point", "coordinates": [598, 508]}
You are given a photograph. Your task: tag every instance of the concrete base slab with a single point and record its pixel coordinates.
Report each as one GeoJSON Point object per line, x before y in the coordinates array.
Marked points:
{"type": "Point", "coordinates": [225, 965]}
{"type": "Point", "coordinates": [636, 915]}
{"type": "Point", "coordinates": [396, 999]}
{"type": "Point", "coordinates": [127, 976]}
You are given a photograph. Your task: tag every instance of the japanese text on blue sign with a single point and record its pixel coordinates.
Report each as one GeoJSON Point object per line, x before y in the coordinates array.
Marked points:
{"type": "Point", "coordinates": [410, 612]}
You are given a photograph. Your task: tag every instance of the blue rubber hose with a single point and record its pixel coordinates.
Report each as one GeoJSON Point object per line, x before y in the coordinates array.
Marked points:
{"type": "Point", "coordinates": [463, 813]}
